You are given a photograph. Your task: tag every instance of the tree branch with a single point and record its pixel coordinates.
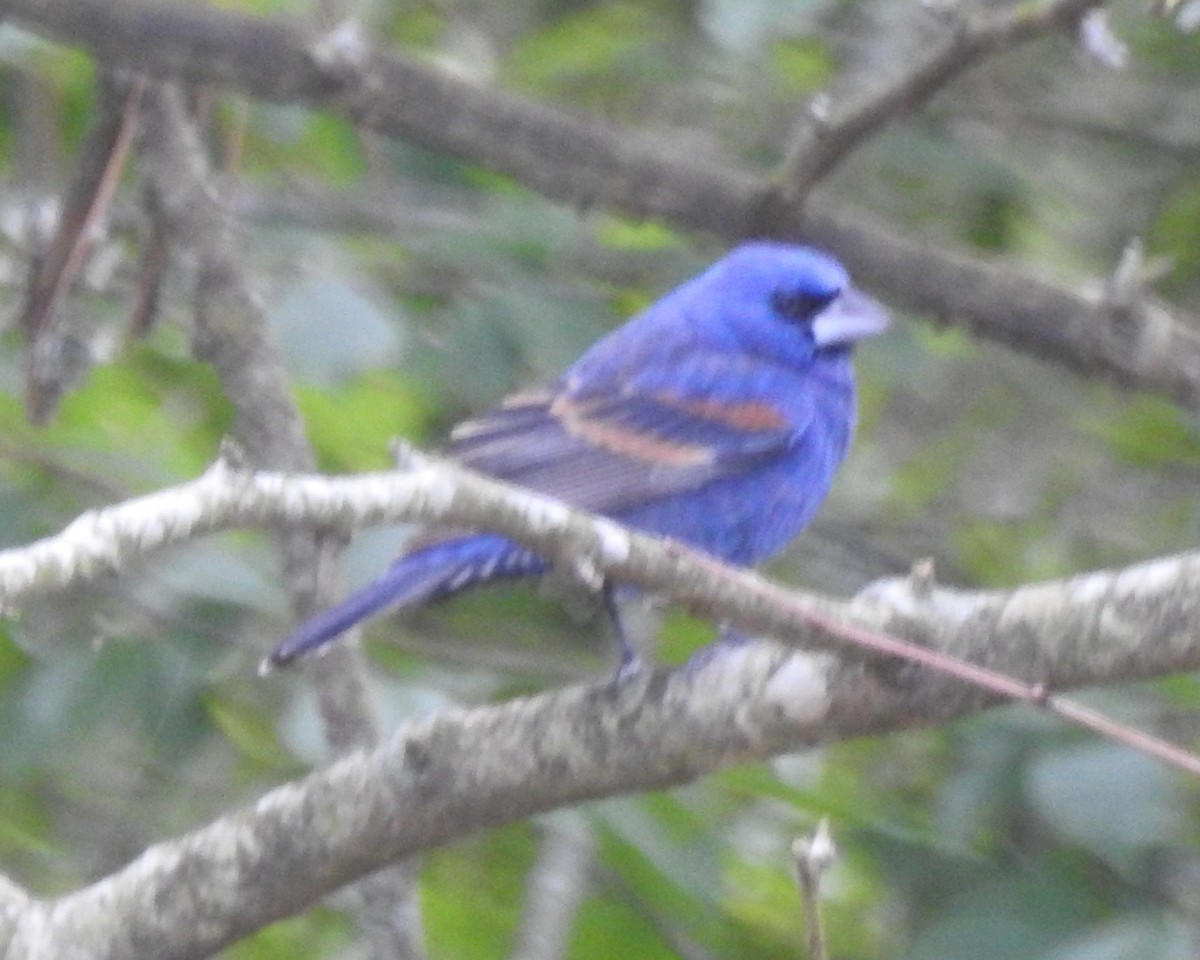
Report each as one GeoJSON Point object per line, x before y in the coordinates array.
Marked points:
{"type": "Point", "coordinates": [464, 770]}
{"type": "Point", "coordinates": [57, 351]}
{"type": "Point", "coordinates": [586, 163]}
{"type": "Point", "coordinates": [437, 780]}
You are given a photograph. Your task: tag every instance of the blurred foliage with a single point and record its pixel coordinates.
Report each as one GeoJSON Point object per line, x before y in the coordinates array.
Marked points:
{"type": "Point", "coordinates": [1154, 434]}
{"type": "Point", "coordinates": [482, 923]}
{"type": "Point", "coordinates": [599, 54]}
{"type": "Point", "coordinates": [1176, 231]}
{"type": "Point", "coordinates": [1003, 835]}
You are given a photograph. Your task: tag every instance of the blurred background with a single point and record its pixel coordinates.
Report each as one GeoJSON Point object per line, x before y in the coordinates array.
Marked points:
{"type": "Point", "coordinates": [409, 290]}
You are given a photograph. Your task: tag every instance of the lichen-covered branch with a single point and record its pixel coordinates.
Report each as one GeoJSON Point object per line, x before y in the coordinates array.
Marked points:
{"type": "Point", "coordinates": [436, 780]}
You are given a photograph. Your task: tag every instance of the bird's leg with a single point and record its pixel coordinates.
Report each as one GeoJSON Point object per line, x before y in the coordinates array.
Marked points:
{"type": "Point", "coordinates": [727, 638]}
{"type": "Point", "coordinates": [631, 662]}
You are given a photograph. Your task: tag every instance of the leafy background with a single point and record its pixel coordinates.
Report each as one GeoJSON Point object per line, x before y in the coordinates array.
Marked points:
{"type": "Point", "coordinates": [409, 290]}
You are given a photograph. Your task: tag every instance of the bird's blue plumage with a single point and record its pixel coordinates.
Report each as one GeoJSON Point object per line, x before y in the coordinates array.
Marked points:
{"type": "Point", "coordinates": [716, 417]}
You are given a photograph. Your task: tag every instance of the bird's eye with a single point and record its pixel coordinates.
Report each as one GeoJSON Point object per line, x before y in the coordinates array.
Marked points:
{"type": "Point", "coordinates": [801, 306]}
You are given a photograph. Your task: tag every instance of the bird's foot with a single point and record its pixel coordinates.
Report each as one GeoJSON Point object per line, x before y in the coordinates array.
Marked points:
{"type": "Point", "coordinates": [631, 668]}
{"type": "Point", "coordinates": [727, 639]}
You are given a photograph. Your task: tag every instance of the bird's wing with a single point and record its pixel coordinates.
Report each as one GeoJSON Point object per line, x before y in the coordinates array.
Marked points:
{"type": "Point", "coordinates": [608, 451]}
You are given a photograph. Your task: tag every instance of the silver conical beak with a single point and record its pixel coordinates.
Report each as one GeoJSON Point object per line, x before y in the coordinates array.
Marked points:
{"type": "Point", "coordinates": [850, 318]}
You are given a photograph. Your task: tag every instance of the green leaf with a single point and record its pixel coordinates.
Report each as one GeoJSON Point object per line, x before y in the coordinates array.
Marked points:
{"type": "Point", "coordinates": [608, 920]}
{"type": "Point", "coordinates": [1017, 916]}
{"type": "Point", "coordinates": [351, 426]}
{"type": "Point", "coordinates": [1118, 803]}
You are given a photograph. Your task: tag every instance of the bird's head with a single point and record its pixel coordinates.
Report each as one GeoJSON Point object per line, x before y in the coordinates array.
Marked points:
{"type": "Point", "coordinates": [790, 303]}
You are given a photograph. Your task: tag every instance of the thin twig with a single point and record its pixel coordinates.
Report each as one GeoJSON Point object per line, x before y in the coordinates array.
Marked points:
{"type": "Point", "coordinates": [823, 141]}
{"type": "Point", "coordinates": [1011, 688]}
{"type": "Point", "coordinates": [812, 856]}
{"type": "Point", "coordinates": [54, 359]}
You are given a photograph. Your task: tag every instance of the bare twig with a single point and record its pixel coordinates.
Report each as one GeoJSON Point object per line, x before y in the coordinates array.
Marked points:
{"type": "Point", "coordinates": [823, 141]}
{"type": "Point", "coordinates": [1004, 685]}
{"type": "Point", "coordinates": [56, 347]}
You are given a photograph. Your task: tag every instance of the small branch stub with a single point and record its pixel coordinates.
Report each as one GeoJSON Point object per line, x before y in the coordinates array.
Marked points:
{"type": "Point", "coordinates": [812, 856]}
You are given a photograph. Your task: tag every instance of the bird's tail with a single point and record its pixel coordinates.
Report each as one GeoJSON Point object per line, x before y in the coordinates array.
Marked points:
{"type": "Point", "coordinates": [428, 573]}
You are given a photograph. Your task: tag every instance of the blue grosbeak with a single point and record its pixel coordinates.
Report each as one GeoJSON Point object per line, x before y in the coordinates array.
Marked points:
{"type": "Point", "coordinates": [716, 417]}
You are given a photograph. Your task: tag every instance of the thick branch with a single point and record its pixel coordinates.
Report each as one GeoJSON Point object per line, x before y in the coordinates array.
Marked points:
{"type": "Point", "coordinates": [586, 163]}
{"type": "Point", "coordinates": [437, 780]}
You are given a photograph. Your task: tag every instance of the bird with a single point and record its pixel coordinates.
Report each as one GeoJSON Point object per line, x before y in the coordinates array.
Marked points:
{"type": "Point", "coordinates": [715, 417]}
